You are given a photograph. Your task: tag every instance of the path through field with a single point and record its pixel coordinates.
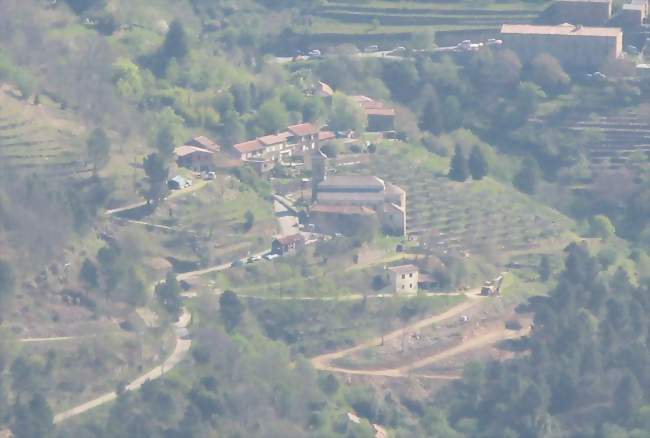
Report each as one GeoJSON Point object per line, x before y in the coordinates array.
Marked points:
{"type": "Point", "coordinates": [179, 353]}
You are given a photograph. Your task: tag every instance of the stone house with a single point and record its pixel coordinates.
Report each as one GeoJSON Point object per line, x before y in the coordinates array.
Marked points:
{"type": "Point", "coordinates": [404, 279]}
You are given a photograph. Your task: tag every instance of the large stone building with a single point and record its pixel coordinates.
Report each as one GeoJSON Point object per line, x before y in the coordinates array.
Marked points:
{"type": "Point", "coordinates": [387, 201]}
{"type": "Point", "coordinates": [576, 47]}
{"type": "Point", "coordinates": [585, 12]}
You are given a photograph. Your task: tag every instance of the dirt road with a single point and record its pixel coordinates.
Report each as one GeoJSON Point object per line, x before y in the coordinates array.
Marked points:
{"type": "Point", "coordinates": [179, 353]}
{"type": "Point", "coordinates": [485, 339]}
{"type": "Point", "coordinates": [323, 362]}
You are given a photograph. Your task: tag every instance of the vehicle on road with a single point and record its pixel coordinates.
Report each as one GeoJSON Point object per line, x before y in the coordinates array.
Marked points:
{"type": "Point", "coordinates": [315, 53]}
{"type": "Point", "coordinates": [254, 259]}
{"type": "Point", "coordinates": [493, 42]}
{"type": "Point", "coordinates": [271, 256]}
{"type": "Point", "coordinates": [236, 263]}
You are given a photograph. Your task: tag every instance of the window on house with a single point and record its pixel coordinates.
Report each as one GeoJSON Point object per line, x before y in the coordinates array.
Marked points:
{"type": "Point", "coordinates": [403, 276]}
{"type": "Point", "coordinates": [411, 275]}
{"type": "Point", "coordinates": [411, 286]}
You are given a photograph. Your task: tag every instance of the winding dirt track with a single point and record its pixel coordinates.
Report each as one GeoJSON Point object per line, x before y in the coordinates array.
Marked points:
{"type": "Point", "coordinates": [324, 362]}
{"type": "Point", "coordinates": [179, 353]}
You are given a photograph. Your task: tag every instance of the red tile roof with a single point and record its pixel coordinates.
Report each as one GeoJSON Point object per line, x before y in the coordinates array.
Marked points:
{"type": "Point", "coordinates": [183, 151]}
{"type": "Point", "coordinates": [326, 135]}
{"type": "Point", "coordinates": [249, 146]}
{"type": "Point", "coordinates": [269, 140]}
{"type": "Point", "coordinates": [404, 269]}
{"type": "Point", "coordinates": [380, 112]}
{"type": "Point", "coordinates": [204, 142]}
{"type": "Point", "coordinates": [303, 130]}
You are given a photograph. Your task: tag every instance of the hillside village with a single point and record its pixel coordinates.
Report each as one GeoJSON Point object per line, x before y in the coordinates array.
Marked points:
{"type": "Point", "coordinates": [324, 218]}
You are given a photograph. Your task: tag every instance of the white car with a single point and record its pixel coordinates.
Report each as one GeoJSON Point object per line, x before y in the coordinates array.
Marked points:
{"type": "Point", "coordinates": [494, 42]}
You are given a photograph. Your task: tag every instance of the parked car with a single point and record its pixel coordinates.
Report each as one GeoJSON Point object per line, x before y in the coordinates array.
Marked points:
{"type": "Point", "coordinates": [254, 259]}
{"type": "Point", "coordinates": [209, 176]}
{"type": "Point", "coordinates": [315, 53]}
{"type": "Point", "coordinates": [494, 42]}
{"type": "Point", "coordinates": [271, 256]}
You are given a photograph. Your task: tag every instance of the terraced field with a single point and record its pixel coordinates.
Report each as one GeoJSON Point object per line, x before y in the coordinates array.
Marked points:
{"type": "Point", "coordinates": [621, 137]}
{"type": "Point", "coordinates": [356, 18]}
{"type": "Point", "coordinates": [32, 141]}
{"type": "Point", "coordinates": [476, 217]}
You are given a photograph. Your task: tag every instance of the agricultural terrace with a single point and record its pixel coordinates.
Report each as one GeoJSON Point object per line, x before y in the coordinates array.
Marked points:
{"type": "Point", "coordinates": [352, 18]}
{"type": "Point", "coordinates": [36, 139]}
{"type": "Point", "coordinates": [484, 217]}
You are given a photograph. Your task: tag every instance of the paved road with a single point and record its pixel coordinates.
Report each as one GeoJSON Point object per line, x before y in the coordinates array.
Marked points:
{"type": "Point", "coordinates": [179, 353]}
{"type": "Point", "coordinates": [287, 222]}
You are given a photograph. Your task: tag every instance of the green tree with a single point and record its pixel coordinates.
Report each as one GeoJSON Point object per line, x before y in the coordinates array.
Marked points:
{"type": "Point", "coordinates": [176, 43]}
{"type": "Point", "coordinates": [544, 269]}
{"type": "Point", "coordinates": [168, 293]}
{"type": "Point", "coordinates": [88, 274]}
{"type": "Point", "coordinates": [241, 93]}
{"type": "Point", "coordinates": [459, 170]}
{"type": "Point", "coordinates": [249, 220]}
{"type": "Point", "coordinates": [547, 72]}
{"type": "Point", "coordinates": [272, 116]}
{"type": "Point", "coordinates": [528, 178]}
{"type": "Point", "coordinates": [7, 283]}
{"type": "Point", "coordinates": [80, 6]}
{"type": "Point", "coordinates": [231, 309]}
{"type": "Point", "coordinates": [330, 149]}
{"type": "Point", "coordinates": [478, 165]}
{"type": "Point", "coordinates": [601, 226]}
{"type": "Point", "coordinates": [347, 115]}
{"type": "Point", "coordinates": [34, 419]}
{"type": "Point", "coordinates": [166, 140]}
{"type": "Point", "coordinates": [431, 117]}
{"type": "Point", "coordinates": [423, 40]}
{"type": "Point", "coordinates": [627, 397]}
{"type": "Point", "coordinates": [313, 109]}
{"type": "Point", "coordinates": [98, 146]}
{"type": "Point", "coordinates": [157, 173]}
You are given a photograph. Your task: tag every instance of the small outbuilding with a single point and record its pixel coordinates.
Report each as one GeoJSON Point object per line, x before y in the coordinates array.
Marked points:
{"type": "Point", "coordinates": [178, 182]}
{"type": "Point", "coordinates": [404, 279]}
{"type": "Point", "coordinates": [288, 245]}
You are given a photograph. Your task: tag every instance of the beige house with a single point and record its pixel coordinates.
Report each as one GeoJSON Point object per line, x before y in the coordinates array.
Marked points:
{"type": "Point", "coordinates": [265, 152]}
{"type": "Point", "coordinates": [573, 45]}
{"type": "Point", "coordinates": [404, 279]}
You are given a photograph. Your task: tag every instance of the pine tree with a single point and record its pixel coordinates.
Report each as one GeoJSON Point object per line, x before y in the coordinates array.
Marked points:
{"type": "Point", "coordinates": [528, 177]}
{"type": "Point", "coordinates": [176, 44]}
{"type": "Point", "coordinates": [478, 165]}
{"type": "Point", "coordinates": [545, 268]}
{"type": "Point", "coordinates": [431, 117]}
{"type": "Point", "coordinates": [459, 171]}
